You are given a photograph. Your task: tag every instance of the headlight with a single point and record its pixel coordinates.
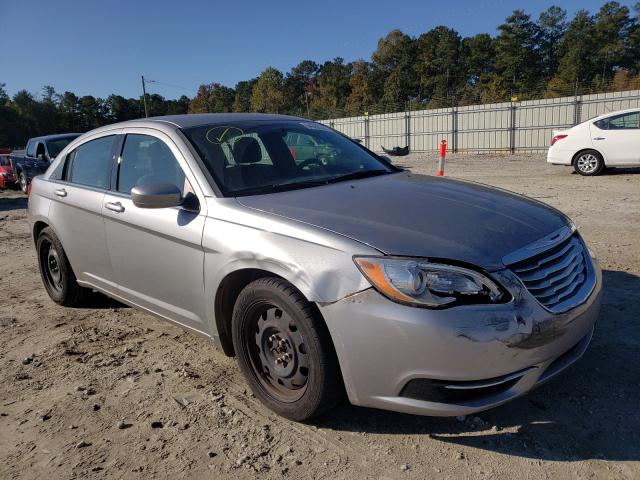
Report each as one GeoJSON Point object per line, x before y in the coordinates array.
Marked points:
{"type": "Point", "coordinates": [4, 174]}
{"type": "Point", "coordinates": [418, 282]}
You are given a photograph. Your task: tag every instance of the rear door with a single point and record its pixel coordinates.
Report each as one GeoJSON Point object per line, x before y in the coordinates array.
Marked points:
{"type": "Point", "coordinates": [618, 138]}
{"type": "Point", "coordinates": [76, 210]}
{"type": "Point", "coordinates": [157, 254]}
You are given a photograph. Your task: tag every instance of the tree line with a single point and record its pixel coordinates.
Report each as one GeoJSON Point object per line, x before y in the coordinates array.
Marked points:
{"type": "Point", "coordinates": [549, 56]}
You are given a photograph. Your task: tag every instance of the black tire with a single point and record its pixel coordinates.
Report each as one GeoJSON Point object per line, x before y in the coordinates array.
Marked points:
{"type": "Point", "coordinates": [22, 181]}
{"type": "Point", "coordinates": [272, 319]}
{"type": "Point", "coordinates": [56, 273]}
{"type": "Point", "coordinates": [588, 163]}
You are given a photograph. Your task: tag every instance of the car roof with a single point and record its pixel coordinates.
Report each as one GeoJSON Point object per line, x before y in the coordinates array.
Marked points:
{"type": "Point", "coordinates": [169, 123]}
{"type": "Point", "coordinates": [56, 136]}
{"type": "Point", "coordinates": [197, 119]}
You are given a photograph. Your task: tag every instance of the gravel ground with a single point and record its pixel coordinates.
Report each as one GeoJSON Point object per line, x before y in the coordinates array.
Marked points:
{"type": "Point", "coordinates": [110, 392]}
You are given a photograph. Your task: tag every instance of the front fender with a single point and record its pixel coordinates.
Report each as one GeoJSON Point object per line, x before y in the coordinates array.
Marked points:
{"type": "Point", "coordinates": [319, 264]}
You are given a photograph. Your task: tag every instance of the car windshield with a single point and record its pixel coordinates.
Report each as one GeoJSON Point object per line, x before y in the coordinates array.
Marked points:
{"type": "Point", "coordinates": [54, 147]}
{"type": "Point", "coordinates": [254, 157]}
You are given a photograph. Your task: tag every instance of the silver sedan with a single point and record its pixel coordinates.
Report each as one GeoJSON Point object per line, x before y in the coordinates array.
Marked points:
{"type": "Point", "coordinates": [325, 269]}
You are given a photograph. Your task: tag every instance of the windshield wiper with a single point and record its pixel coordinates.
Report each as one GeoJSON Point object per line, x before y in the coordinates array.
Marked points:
{"type": "Point", "coordinates": [312, 182]}
{"type": "Point", "coordinates": [358, 174]}
{"type": "Point", "coordinates": [279, 187]}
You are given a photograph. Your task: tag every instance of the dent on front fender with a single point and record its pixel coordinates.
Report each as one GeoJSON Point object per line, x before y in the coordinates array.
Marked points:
{"type": "Point", "coordinates": [318, 263]}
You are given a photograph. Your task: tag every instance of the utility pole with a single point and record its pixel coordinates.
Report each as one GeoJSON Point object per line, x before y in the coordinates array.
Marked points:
{"type": "Point", "coordinates": [306, 99]}
{"type": "Point", "coordinates": [604, 67]}
{"type": "Point", "coordinates": [144, 98]}
{"type": "Point", "coordinates": [577, 113]}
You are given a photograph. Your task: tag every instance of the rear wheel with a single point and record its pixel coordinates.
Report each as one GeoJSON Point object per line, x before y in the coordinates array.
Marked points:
{"type": "Point", "coordinates": [284, 350]}
{"type": "Point", "coordinates": [588, 163]}
{"type": "Point", "coordinates": [57, 276]}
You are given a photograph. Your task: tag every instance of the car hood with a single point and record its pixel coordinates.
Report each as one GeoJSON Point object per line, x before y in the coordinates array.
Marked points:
{"type": "Point", "coordinates": [418, 215]}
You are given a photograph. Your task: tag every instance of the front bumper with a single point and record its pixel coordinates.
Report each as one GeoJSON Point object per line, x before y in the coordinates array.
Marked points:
{"type": "Point", "coordinates": [455, 361]}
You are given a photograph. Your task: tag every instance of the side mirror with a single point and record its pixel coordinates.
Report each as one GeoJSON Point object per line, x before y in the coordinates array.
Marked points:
{"type": "Point", "coordinates": [156, 195]}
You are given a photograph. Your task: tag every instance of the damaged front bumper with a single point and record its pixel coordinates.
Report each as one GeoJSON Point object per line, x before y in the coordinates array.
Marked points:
{"type": "Point", "coordinates": [455, 361]}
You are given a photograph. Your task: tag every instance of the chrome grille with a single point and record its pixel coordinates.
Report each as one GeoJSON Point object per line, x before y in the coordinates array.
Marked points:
{"type": "Point", "coordinates": [556, 276]}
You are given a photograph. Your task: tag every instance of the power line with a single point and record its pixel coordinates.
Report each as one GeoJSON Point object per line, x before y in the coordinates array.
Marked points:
{"type": "Point", "coordinates": [169, 85]}
{"type": "Point", "coordinates": [145, 81]}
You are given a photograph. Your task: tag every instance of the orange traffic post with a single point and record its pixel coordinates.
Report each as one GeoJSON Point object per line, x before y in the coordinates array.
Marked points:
{"type": "Point", "coordinates": [443, 152]}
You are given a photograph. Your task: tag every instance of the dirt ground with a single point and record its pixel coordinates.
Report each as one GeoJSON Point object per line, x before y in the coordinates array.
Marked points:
{"type": "Point", "coordinates": [110, 392]}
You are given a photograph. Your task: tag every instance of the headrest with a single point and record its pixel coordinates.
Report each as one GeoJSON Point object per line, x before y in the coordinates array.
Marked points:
{"type": "Point", "coordinates": [247, 150]}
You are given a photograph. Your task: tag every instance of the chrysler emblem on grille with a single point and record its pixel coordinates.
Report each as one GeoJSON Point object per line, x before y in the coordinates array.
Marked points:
{"type": "Point", "coordinates": [540, 245]}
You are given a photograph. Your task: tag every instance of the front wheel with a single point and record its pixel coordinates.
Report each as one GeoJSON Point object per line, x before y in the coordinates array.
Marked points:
{"type": "Point", "coordinates": [24, 184]}
{"type": "Point", "coordinates": [284, 350]}
{"type": "Point", "coordinates": [588, 163]}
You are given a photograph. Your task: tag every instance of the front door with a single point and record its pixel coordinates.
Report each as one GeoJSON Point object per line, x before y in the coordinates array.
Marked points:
{"type": "Point", "coordinates": [41, 162]}
{"type": "Point", "coordinates": [618, 138]}
{"type": "Point", "coordinates": [156, 254]}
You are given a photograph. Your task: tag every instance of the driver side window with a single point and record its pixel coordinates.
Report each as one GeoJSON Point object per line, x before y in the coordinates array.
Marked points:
{"type": "Point", "coordinates": [31, 149]}
{"type": "Point", "coordinates": [147, 159]}
{"type": "Point", "coordinates": [625, 121]}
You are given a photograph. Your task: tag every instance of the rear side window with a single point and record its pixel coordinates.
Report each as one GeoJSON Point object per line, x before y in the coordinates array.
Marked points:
{"type": "Point", "coordinates": [147, 159]}
{"type": "Point", "coordinates": [624, 121]}
{"type": "Point", "coordinates": [90, 163]}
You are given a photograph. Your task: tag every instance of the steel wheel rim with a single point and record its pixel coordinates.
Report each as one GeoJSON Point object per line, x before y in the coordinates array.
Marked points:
{"type": "Point", "coordinates": [277, 353]}
{"type": "Point", "coordinates": [23, 183]}
{"type": "Point", "coordinates": [50, 261]}
{"type": "Point", "coordinates": [587, 163]}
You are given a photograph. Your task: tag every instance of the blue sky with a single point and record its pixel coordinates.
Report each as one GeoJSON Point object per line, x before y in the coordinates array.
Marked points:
{"type": "Point", "coordinates": [100, 47]}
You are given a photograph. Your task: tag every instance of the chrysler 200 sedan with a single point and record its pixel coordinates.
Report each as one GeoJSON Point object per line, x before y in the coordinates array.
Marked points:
{"type": "Point", "coordinates": [331, 273]}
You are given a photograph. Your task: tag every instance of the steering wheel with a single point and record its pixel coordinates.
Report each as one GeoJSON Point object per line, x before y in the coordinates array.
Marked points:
{"type": "Point", "coordinates": [321, 162]}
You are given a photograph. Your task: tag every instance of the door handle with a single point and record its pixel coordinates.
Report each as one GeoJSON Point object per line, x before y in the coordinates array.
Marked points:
{"type": "Point", "coordinates": [599, 138]}
{"type": "Point", "coordinates": [114, 207]}
{"type": "Point", "coordinates": [61, 192]}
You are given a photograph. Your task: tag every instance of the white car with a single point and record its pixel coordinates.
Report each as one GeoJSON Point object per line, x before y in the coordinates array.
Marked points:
{"type": "Point", "coordinates": [610, 140]}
